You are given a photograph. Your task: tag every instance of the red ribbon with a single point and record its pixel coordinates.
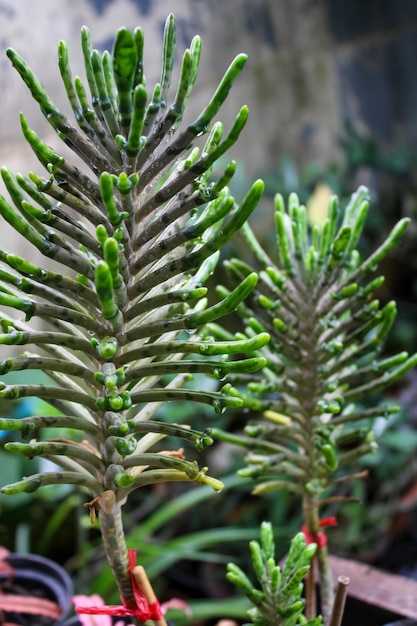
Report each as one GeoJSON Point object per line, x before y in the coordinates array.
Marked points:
{"type": "Point", "coordinates": [140, 608]}
{"type": "Point", "coordinates": [320, 538]}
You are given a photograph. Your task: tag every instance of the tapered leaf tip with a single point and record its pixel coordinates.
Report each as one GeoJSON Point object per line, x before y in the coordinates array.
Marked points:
{"type": "Point", "coordinates": [11, 53]}
{"type": "Point", "coordinates": [241, 59]}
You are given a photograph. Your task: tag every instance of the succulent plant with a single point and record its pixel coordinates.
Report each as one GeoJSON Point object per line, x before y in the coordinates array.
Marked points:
{"type": "Point", "coordinates": [317, 392]}
{"type": "Point", "coordinates": [279, 601]}
{"type": "Point", "coordinates": [117, 315]}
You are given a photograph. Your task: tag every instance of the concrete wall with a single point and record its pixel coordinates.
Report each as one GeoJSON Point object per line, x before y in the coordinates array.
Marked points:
{"type": "Point", "coordinates": [311, 64]}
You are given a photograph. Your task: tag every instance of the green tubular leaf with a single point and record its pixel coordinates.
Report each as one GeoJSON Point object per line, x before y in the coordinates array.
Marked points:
{"type": "Point", "coordinates": [224, 179]}
{"type": "Point", "coordinates": [356, 416]}
{"type": "Point", "coordinates": [111, 89]}
{"type": "Point", "coordinates": [191, 174]}
{"type": "Point", "coordinates": [330, 458]}
{"type": "Point", "coordinates": [57, 281]}
{"type": "Point", "coordinates": [71, 197]}
{"type": "Point", "coordinates": [277, 485]}
{"type": "Point", "coordinates": [82, 146]}
{"type": "Point", "coordinates": [54, 117]}
{"type": "Point", "coordinates": [358, 225]}
{"type": "Point", "coordinates": [186, 295]}
{"type": "Point", "coordinates": [93, 126]}
{"type": "Point", "coordinates": [188, 75]}
{"type": "Point", "coordinates": [41, 448]}
{"type": "Point", "coordinates": [236, 575]}
{"type": "Point", "coordinates": [65, 70]}
{"type": "Point", "coordinates": [27, 306]}
{"type": "Point", "coordinates": [201, 124]}
{"type": "Point", "coordinates": [15, 338]}
{"type": "Point", "coordinates": [345, 292]}
{"type": "Point", "coordinates": [284, 245]}
{"type": "Point", "coordinates": [34, 482]}
{"type": "Point", "coordinates": [29, 187]}
{"type": "Point", "coordinates": [112, 258]}
{"type": "Point", "coordinates": [125, 65]}
{"type": "Point", "coordinates": [292, 609]}
{"type": "Point", "coordinates": [14, 279]}
{"type": "Point", "coordinates": [109, 200]}
{"type": "Point", "coordinates": [161, 461]}
{"type": "Point", "coordinates": [139, 43]}
{"type": "Point", "coordinates": [366, 291]}
{"type": "Point", "coordinates": [104, 101]}
{"type": "Point", "coordinates": [88, 113]}
{"type": "Point", "coordinates": [200, 440]}
{"type": "Point", "coordinates": [388, 315]}
{"type": "Point", "coordinates": [44, 363]}
{"type": "Point", "coordinates": [134, 140]}
{"type": "Point", "coordinates": [219, 401]}
{"type": "Point", "coordinates": [151, 113]}
{"type": "Point", "coordinates": [392, 241]}
{"type": "Point", "coordinates": [356, 453]}
{"type": "Point", "coordinates": [63, 313]}
{"type": "Point", "coordinates": [354, 206]}
{"type": "Point", "coordinates": [87, 49]}
{"type": "Point", "coordinates": [13, 392]}
{"type": "Point", "coordinates": [206, 348]}
{"type": "Point", "coordinates": [55, 248]}
{"type": "Point", "coordinates": [152, 477]}
{"type": "Point", "coordinates": [254, 245]}
{"type": "Point", "coordinates": [299, 228]}
{"type": "Point", "coordinates": [275, 577]}
{"type": "Point", "coordinates": [377, 367]}
{"type": "Point", "coordinates": [21, 225]}
{"type": "Point", "coordinates": [339, 247]}
{"type": "Point", "coordinates": [329, 230]}
{"type": "Point", "coordinates": [212, 216]}
{"type": "Point", "coordinates": [104, 287]}
{"type": "Point", "coordinates": [43, 152]}
{"type": "Point", "coordinates": [380, 383]}
{"type": "Point", "coordinates": [228, 305]}
{"type": "Point", "coordinates": [30, 426]}
{"type": "Point", "coordinates": [257, 559]}
{"type": "Point", "coordinates": [267, 540]}
{"type": "Point", "coordinates": [168, 56]}
{"type": "Point", "coordinates": [195, 259]}
{"type": "Point", "coordinates": [209, 220]}
{"type": "Point", "coordinates": [218, 369]}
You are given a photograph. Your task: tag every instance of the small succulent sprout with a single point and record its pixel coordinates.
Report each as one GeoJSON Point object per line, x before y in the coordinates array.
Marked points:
{"type": "Point", "coordinates": [277, 599]}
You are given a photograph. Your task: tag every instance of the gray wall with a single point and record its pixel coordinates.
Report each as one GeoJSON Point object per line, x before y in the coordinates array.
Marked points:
{"type": "Point", "coordinates": [311, 64]}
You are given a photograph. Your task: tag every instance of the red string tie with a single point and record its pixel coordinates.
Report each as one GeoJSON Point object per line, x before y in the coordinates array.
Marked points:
{"type": "Point", "coordinates": [140, 608]}
{"type": "Point", "coordinates": [320, 538]}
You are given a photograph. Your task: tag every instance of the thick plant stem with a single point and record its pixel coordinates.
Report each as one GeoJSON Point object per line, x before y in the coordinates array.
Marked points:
{"type": "Point", "coordinates": [326, 583]}
{"type": "Point", "coordinates": [312, 522]}
{"type": "Point", "coordinates": [112, 533]}
{"type": "Point", "coordinates": [311, 595]}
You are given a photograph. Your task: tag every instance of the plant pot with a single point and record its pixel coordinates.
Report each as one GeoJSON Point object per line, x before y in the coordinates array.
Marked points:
{"type": "Point", "coordinates": [34, 590]}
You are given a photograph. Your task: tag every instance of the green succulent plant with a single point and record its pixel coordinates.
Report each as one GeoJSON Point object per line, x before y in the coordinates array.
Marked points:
{"type": "Point", "coordinates": [317, 392]}
{"type": "Point", "coordinates": [279, 601]}
{"type": "Point", "coordinates": [130, 239]}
